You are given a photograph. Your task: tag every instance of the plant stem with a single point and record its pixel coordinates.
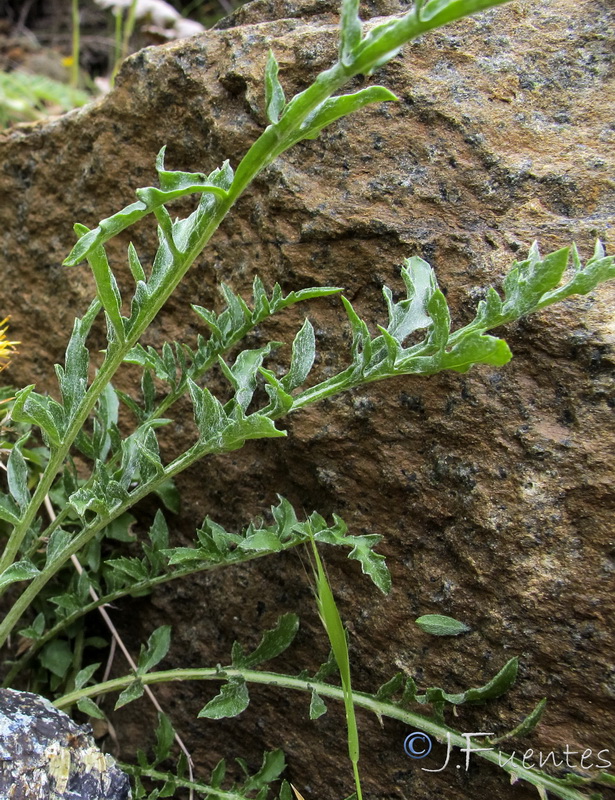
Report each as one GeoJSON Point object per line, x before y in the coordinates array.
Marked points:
{"type": "Point", "coordinates": [437, 730]}
{"type": "Point", "coordinates": [135, 589]}
{"type": "Point", "coordinates": [76, 50]}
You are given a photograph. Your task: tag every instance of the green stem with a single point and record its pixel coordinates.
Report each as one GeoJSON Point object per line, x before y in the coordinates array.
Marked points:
{"type": "Point", "coordinates": [163, 777]}
{"type": "Point", "coordinates": [135, 589]}
{"type": "Point", "coordinates": [129, 28]}
{"type": "Point", "coordinates": [374, 51]}
{"type": "Point", "coordinates": [74, 70]}
{"type": "Point", "coordinates": [381, 708]}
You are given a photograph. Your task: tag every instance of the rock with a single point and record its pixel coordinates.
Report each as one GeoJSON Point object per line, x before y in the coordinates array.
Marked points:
{"type": "Point", "coordinates": [44, 755]}
{"type": "Point", "coordinates": [493, 490]}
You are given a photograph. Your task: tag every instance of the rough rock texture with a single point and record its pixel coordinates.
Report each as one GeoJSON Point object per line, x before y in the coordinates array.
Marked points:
{"type": "Point", "coordinates": [493, 490]}
{"type": "Point", "coordinates": [44, 755]}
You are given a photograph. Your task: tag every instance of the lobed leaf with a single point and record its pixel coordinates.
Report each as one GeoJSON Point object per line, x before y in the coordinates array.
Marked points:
{"type": "Point", "coordinates": [274, 763]}
{"type": "Point", "coordinates": [173, 186]}
{"type": "Point", "coordinates": [37, 409]}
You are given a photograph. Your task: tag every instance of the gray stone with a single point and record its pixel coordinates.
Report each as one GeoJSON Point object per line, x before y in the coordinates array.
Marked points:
{"type": "Point", "coordinates": [44, 755]}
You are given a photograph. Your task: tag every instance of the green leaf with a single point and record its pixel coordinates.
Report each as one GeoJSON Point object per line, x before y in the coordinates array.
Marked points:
{"type": "Point", "coordinates": [350, 31]}
{"type": "Point", "coordinates": [475, 348]}
{"type": "Point", "coordinates": [87, 706]}
{"type": "Point", "coordinates": [167, 491]}
{"type": "Point", "coordinates": [73, 377]}
{"type": "Point", "coordinates": [336, 107]}
{"type": "Point", "coordinates": [157, 647]}
{"type": "Point", "coordinates": [159, 532]}
{"type": "Point", "coordinates": [410, 314]}
{"type": "Point", "coordinates": [58, 541]}
{"type": "Point", "coordinates": [165, 736]}
{"type": "Point", "coordinates": [135, 265]}
{"type": "Point", "coordinates": [372, 564]}
{"type": "Point", "coordinates": [243, 374]}
{"type": "Point", "coordinates": [208, 412]}
{"type": "Point", "coordinates": [304, 352]}
{"type": "Point", "coordinates": [272, 767]}
{"type": "Point", "coordinates": [9, 511]}
{"type": "Point", "coordinates": [39, 410]}
{"type": "Point", "coordinates": [120, 529]}
{"type": "Point", "coordinates": [496, 687]}
{"type": "Point", "coordinates": [439, 625]}
{"type": "Point", "coordinates": [84, 675]}
{"type": "Point", "coordinates": [528, 280]}
{"type": "Point", "coordinates": [286, 792]}
{"type": "Point", "coordinates": [174, 185]}
{"type": "Point", "coordinates": [34, 631]}
{"type": "Point", "coordinates": [232, 700]}
{"type": "Point", "coordinates": [108, 291]}
{"type": "Point", "coordinates": [132, 692]}
{"type": "Point", "coordinates": [274, 641]}
{"type": "Point", "coordinates": [526, 726]}
{"type": "Point", "coordinates": [218, 773]}
{"type": "Point", "coordinates": [255, 426]}
{"type": "Point", "coordinates": [19, 571]}
{"type": "Point", "coordinates": [17, 470]}
{"type": "Point", "coordinates": [391, 687]}
{"type": "Point", "coordinates": [274, 94]}
{"type": "Point", "coordinates": [263, 540]}
{"type": "Point", "coordinates": [317, 705]}
{"type": "Point", "coordinates": [57, 657]}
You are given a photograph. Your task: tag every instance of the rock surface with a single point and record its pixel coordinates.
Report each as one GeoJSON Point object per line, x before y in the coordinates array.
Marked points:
{"type": "Point", "coordinates": [44, 755]}
{"type": "Point", "coordinates": [493, 490]}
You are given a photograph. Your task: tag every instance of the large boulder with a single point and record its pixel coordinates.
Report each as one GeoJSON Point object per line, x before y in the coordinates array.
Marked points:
{"type": "Point", "coordinates": [493, 490]}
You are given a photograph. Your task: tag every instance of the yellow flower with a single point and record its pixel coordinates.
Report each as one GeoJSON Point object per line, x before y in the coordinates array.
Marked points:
{"type": "Point", "coordinates": [6, 348]}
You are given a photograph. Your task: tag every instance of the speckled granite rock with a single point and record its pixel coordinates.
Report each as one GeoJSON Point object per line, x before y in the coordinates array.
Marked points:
{"type": "Point", "coordinates": [44, 755]}
{"type": "Point", "coordinates": [493, 490]}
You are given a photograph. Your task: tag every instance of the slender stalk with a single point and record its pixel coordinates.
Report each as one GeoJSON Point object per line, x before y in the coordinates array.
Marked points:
{"type": "Point", "coordinates": [274, 140]}
{"type": "Point", "coordinates": [203, 789]}
{"type": "Point", "coordinates": [437, 730]}
{"type": "Point", "coordinates": [76, 50]}
{"type": "Point", "coordinates": [135, 588]}
{"type": "Point", "coordinates": [129, 28]}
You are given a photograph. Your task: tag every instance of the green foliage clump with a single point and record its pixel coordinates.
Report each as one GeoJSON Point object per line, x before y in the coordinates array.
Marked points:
{"type": "Point", "coordinates": [25, 97]}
